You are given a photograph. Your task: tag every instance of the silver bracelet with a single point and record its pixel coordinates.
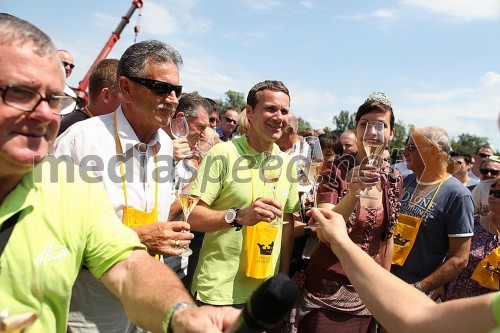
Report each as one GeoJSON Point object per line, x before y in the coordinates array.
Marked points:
{"type": "Point", "coordinates": [170, 313]}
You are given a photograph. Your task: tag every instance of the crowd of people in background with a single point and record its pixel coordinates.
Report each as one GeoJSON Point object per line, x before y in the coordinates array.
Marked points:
{"type": "Point", "coordinates": [267, 199]}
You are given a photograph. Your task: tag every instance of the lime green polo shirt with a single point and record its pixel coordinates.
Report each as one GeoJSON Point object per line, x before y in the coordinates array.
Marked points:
{"type": "Point", "coordinates": [65, 222]}
{"type": "Point", "coordinates": [225, 179]}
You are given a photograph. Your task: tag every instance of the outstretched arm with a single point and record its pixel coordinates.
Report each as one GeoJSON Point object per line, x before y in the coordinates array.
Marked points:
{"type": "Point", "coordinates": [398, 306]}
{"type": "Point", "coordinates": [147, 289]}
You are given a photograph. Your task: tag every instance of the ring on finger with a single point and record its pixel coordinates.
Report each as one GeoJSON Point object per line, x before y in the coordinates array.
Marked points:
{"type": "Point", "coordinates": [176, 243]}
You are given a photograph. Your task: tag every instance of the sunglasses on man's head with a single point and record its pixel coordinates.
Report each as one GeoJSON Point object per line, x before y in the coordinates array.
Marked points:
{"type": "Point", "coordinates": [231, 120]}
{"type": "Point", "coordinates": [160, 88]}
{"type": "Point", "coordinates": [495, 193]}
{"type": "Point", "coordinates": [68, 64]}
{"type": "Point", "coordinates": [493, 172]}
{"type": "Point", "coordinates": [483, 155]}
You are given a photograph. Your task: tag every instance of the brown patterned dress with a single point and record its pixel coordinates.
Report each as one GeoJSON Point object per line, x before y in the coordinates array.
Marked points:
{"type": "Point", "coordinates": [328, 303]}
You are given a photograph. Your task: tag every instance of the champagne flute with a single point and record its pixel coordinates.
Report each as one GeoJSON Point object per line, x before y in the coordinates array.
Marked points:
{"type": "Point", "coordinates": [316, 158]}
{"type": "Point", "coordinates": [188, 202]}
{"type": "Point", "coordinates": [373, 143]}
{"type": "Point", "coordinates": [271, 170]}
{"type": "Point", "coordinates": [180, 129]}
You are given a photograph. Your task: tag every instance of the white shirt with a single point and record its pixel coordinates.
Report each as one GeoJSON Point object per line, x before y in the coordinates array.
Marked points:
{"type": "Point", "coordinates": [480, 195]}
{"type": "Point", "coordinates": [92, 145]}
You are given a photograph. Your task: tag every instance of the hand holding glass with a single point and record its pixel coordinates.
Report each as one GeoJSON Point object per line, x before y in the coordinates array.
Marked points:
{"type": "Point", "coordinates": [373, 143]}
{"type": "Point", "coordinates": [188, 202]}
{"type": "Point", "coordinates": [316, 160]}
{"type": "Point", "coordinates": [180, 129]}
{"type": "Point", "coordinates": [271, 170]}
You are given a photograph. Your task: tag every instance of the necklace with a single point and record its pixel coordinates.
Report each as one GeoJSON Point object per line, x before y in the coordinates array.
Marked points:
{"type": "Point", "coordinates": [430, 183]}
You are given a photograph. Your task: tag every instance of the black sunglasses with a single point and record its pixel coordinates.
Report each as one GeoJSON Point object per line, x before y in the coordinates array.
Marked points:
{"type": "Point", "coordinates": [483, 155]}
{"type": "Point", "coordinates": [484, 172]}
{"type": "Point", "coordinates": [160, 88]}
{"type": "Point", "coordinates": [495, 193]}
{"type": "Point", "coordinates": [231, 120]}
{"type": "Point", "coordinates": [212, 119]}
{"type": "Point", "coordinates": [411, 147]}
{"type": "Point", "coordinates": [68, 64]}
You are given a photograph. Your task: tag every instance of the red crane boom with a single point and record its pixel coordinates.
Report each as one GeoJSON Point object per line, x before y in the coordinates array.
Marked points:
{"type": "Point", "coordinates": [83, 84]}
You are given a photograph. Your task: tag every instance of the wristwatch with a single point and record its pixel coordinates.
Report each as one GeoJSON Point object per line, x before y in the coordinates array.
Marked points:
{"type": "Point", "coordinates": [231, 218]}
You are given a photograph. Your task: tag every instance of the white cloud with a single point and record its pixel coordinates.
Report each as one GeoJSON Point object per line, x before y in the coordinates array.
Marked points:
{"type": "Point", "coordinates": [465, 10]}
{"type": "Point", "coordinates": [491, 79]}
{"type": "Point", "coordinates": [262, 5]}
{"type": "Point", "coordinates": [467, 110]}
{"type": "Point", "coordinates": [169, 17]}
{"type": "Point", "coordinates": [436, 97]}
{"type": "Point", "coordinates": [307, 4]}
{"type": "Point", "coordinates": [381, 14]}
{"type": "Point", "coordinates": [157, 20]}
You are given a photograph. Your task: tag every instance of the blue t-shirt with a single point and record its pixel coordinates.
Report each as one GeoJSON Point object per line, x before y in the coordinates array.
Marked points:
{"type": "Point", "coordinates": [449, 215]}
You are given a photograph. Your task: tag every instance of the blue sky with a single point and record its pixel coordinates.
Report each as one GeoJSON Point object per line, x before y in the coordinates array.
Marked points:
{"type": "Point", "coordinates": [437, 59]}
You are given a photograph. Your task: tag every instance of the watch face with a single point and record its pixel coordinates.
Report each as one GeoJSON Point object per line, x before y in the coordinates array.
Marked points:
{"type": "Point", "coordinates": [230, 215]}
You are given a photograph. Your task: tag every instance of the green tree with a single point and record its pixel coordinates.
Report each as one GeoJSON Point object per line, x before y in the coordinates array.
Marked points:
{"type": "Point", "coordinates": [401, 134]}
{"type": "Point", "coordinates": [328, 130]}
{"type": "Point", "coordinates": [233, 99]}
{"type": "Point", "coordinates": [468, 143]}
{"type": "Point", "coordinates": [303, 124]}
{"type": "Point", "coordinates": [344, 121]}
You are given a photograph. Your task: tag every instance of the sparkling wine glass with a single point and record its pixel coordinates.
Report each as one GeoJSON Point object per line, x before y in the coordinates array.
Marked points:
{"type": "Point", "coordinates": [316, 161]}
{"type": "Point", "coordinates": [373, 143]}
{"type": "Point", "coordinates": [180, 129]}
{"type": "Point", "coordinates": [188, 202]}
{"type": "Point", "coordinates": [202, 147]}
{"type": "Point", "coordinates": [271, 170]}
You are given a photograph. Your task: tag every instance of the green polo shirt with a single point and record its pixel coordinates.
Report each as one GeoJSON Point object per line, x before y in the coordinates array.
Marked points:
{"type": "Point", "coordinates": [229, 177]}
{"type": "Point", "coordinates": [65, 222]}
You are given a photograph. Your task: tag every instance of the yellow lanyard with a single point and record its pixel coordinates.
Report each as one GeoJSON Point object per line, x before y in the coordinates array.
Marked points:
{"type": "Point", "coordinates": [122, 169]}
{"type": "Point", "coordinates": [88, 111]}
{"type": "Point", "coordinates": [433, 196]}
{"type": "Point", "coordinates": [251, 172]}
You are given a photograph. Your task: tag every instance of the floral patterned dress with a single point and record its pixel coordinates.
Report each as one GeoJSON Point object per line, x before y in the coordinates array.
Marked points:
{"type": "Point", "coordinates": [483, 243]}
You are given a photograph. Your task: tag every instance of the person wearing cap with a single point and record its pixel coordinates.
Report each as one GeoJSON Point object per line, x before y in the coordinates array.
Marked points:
{"type": "Point", "coordinates": [435, 226]}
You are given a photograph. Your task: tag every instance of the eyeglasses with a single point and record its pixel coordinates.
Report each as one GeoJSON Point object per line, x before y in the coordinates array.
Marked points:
{"type": "Point", "coordinates": [160, 88]}
{"type": "Point", "coordinates": [411, 147]}
{"type": "Point", "coordinates": [483, 155]}
{"type": "Point", "coordinates": [495, 193]}
{"type": "Point", "coordinates": [25, 99]}
{"type": "Point", "coordinates": [68, 64]}
{"type": "Point", "coordinates": [231, 120]}
{"type": "Point", "coordinates": [212, 119]}
{"type": "Point", "coordinates": [484, 172]}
